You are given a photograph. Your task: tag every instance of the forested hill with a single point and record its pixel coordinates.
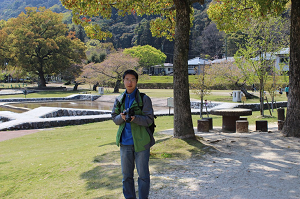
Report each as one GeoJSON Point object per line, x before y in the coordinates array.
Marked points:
{"type": "Point", "coordinates": [12, 8]}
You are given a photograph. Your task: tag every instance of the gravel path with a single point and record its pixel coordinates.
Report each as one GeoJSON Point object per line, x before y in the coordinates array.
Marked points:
{"type": "Point", "coordinates": [244, 165]}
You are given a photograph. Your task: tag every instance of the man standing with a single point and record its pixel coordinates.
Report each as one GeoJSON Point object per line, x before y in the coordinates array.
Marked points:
{"type": "Point", "coordinates": [133, 113]}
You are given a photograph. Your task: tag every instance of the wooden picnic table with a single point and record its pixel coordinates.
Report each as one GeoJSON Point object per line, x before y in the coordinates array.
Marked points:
{"type": "Point", "coordinates": [230, 116]}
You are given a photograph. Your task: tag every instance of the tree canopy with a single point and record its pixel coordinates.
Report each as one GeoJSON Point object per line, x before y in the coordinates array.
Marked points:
{"type": "Point", "coordinates": [39, 43]}
{"type": "Point", "coordinates": [111, 69]}
{"type": "Point", "coordinates": [83, 11]}
{"type": "Point", "coordinates": [231, 16]}
{"type": "Point", "coordinates": [147, 55]}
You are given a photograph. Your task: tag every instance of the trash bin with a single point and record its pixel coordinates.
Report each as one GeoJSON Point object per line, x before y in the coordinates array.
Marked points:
{"type": "Point", "coordinates": [101, 90]}
{"type": "Point", "coordinates": [237, 96]}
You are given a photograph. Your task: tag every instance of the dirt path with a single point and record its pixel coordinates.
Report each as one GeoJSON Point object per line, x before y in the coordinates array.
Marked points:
{"type": "Point", "coordinates": [7, 135]}
{"type": "Point", "coordinates": [242, 166]}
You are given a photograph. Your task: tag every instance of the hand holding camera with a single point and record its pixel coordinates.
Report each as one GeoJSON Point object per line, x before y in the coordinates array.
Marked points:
{"type": "Point", "coordinates": [129, 115]}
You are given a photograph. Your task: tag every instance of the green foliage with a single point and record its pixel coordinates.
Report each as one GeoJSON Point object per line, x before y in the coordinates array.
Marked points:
{"type": "Point", "coordinates": [38, 43]}
{"type": "Point", "coordinates": [147, 55]}
{"type": "Point", "coordinates": [234, 41]}
{"type": "Point", "coordinates": [233, 15]}
{"type": "Point", "coordinates": [256, 58]}
{"type": "Point", "coordinates": [161, 26]}
{"type": "Point", "coordinates": [143, 33]}
{"type": "Point", "coordinates": [96, 58]}
{"type": "Point", "coordinates": [97, 51]}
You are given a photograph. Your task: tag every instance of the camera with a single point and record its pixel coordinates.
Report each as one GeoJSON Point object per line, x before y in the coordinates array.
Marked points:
{"type": "Point", "coordinates": [128, 112]}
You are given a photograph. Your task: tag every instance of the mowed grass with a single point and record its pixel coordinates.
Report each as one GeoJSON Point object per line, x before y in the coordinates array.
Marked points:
{"type": "Point", "coordinates": [76, 161]}
{"type": "Point", "coordinates": [83, 161]}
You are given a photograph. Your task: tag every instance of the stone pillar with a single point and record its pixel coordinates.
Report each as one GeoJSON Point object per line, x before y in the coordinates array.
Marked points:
{"type": "Point", "coordinates": [203, 125]}
{"type": "Point", "coordinates": [262, 125]}
{"type": "Point", "coordinates": [242, 126]}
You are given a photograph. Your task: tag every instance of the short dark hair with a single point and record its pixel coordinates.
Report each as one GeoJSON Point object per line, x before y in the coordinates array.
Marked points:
{"type": "Point", "coordinates": [132, 72]}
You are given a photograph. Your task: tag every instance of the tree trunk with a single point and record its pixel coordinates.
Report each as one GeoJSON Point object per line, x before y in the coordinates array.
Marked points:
{"type": "Point", "coordinates": [117, 86]}
{"type": "Point", "coordinates": [244, 90]}
{"type": "Point", "coordinates": [261, 96]}
{"type": "Point", "coordinates": [95, 86]}
{"type": "Point", "coordinates": [201, 106]}
{"type": "Point", "coordinates": [292, 124]}
{"type": "Point", "coordinates": [42, 80]}
{"type": "Point", "coordinates": [75, 86]}
{"type": "Point", "coordinates": [183, 125]}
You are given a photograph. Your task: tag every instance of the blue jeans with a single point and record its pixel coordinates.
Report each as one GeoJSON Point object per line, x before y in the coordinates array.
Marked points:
{"type": "Point", "coordinates": [128, 156]}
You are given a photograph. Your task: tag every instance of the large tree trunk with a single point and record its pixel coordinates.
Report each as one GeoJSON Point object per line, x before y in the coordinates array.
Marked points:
{"type": "Point", "coordinates": [183, 125]}
{"type": "Point", "coordinates": [41, 80]}
{"type": "Point", "coordinates": [292, 124]}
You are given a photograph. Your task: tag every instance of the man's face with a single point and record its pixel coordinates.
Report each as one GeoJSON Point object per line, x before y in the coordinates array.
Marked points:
{"type": "Point", "coordinates": [130, 83]}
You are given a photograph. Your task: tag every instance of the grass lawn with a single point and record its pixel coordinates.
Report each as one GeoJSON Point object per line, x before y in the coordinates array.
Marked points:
{"type": "Point", "coordinates": [83, 161]}
{"type": "Point", "coordinates": [76, 161]}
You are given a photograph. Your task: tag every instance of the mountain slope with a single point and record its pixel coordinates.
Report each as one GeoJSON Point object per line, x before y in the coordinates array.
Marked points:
{"type": "Point", "coordinates": [12, 8]}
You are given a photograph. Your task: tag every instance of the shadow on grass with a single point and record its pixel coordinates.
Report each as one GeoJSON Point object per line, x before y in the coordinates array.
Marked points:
{"type": "Point", "coordinates": [199, 148]}
{"type": "Point", "coordinates": [106, 176]}
{"type": "Point", "coordinates": [107, 144]}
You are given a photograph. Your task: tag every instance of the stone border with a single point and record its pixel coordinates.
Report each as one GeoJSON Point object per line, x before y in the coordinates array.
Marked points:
{"type": "Point", "coordinates": [87, 97]}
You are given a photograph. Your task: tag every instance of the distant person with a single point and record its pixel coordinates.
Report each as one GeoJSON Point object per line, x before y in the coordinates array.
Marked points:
{"type": "Point", "coordinates": [280, 90]}
{"type": "Point", "coordinates": [253, 88]}
{"type": "Point", "coordinates": [133, 113]}
{"type": "Point", "coordinates": [287, 90]}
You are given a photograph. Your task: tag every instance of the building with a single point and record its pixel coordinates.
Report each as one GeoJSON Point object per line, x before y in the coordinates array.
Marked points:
{"type": "Point", "coordinates": [282, 59]}
{"type": "Point", "coordinates": [219, 61]}
{"type": "Point", "coordinates": [163, 69]}
{"type": "Point", "coordinates": [196, 65]}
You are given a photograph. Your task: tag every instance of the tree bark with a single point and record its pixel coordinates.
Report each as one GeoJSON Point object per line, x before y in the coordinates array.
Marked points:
{"type": "Point", "coordinates": [42, 80]}
{"type": "Point", "coordinates": [183, 125]}
{"type": "Point", "coordinates": [292, 124]}
{"type": "Point", "coordinates": [75, 86]}
{"type": "Point", "coordinates": [95, 86]}
{"type": "Point", "coordinates": [244, 90]}
{"type": "Point", "coordinates": [261, 96]}
{"type": "Point", "coordinates": [117, 86]}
